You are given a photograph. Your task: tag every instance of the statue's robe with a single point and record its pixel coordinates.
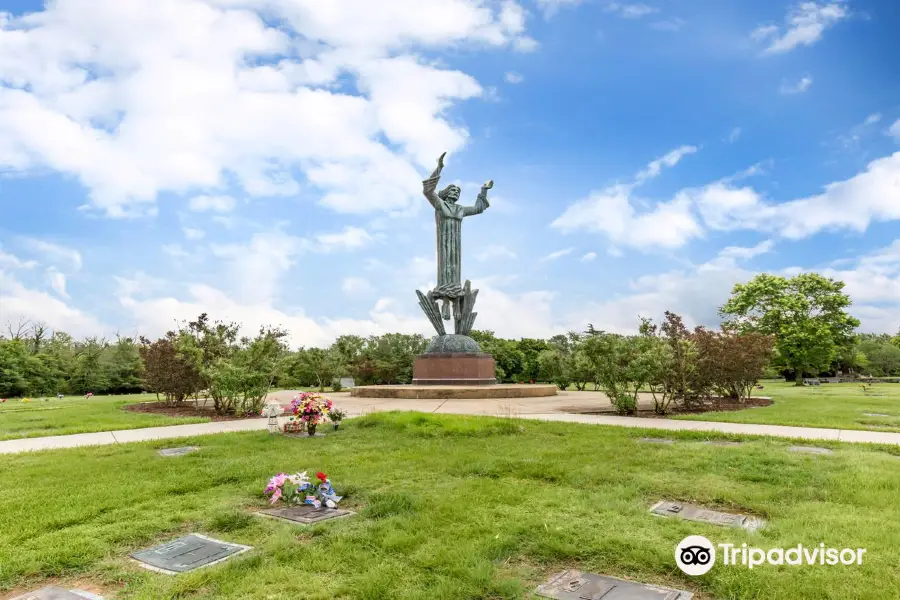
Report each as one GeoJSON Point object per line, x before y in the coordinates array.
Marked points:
{"type": "Point", "coordinates": [448, 218]}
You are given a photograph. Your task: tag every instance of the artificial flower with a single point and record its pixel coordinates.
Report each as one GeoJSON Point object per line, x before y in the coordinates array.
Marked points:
{"type": "Point", "coordinates": [322, 476]}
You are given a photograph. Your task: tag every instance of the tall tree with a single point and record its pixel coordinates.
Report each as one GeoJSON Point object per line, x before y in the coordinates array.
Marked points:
{"type": "Point", "coordinates": [806, 314]}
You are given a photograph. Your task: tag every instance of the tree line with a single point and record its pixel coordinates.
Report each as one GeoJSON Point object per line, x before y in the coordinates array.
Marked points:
{"type": "Point", "coordinates": [772, 326]}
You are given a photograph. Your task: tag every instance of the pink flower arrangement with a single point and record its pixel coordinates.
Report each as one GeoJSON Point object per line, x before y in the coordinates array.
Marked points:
{"type": "Point", "coordinates": [297, 486]}
{"type": "Point", "coordinates": [311, 407]}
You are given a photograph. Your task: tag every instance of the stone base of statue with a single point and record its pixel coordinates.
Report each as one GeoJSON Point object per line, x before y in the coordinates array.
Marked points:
{"type": "Point", "coordinates": [453, 367]}
{"type": "Point", "coordinates": [502, 392]}
{"type": "Point", "coordinates": [453, 360]}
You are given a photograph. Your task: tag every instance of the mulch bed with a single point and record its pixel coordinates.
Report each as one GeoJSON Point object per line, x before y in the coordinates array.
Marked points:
{"type": "Point", "coordinates": [723, 405]}
{"type": "Point", "coordinates": [186, 409]}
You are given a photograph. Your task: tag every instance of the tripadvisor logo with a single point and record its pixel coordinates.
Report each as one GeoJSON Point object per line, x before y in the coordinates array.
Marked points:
{"type": "Point", "coordinates": [696, 555]}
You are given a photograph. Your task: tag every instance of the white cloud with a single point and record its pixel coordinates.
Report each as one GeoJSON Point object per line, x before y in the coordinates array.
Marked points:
{"type": "Point", "coordinates": [492, 251]}
{"type": "Point", "coordinates": [742, 253]}
{"type": "Point", "coordinates": [256, 268]}
{"type": "Point", "coordinates": [630, 11]}
{"type": "Point", "coordinates": [350, 238]}
{"type": "Point", "coordinates": [671, 159]}
{"type": "Point", "coordinates": [667, 225]}
{"type": "Point", "coordinates": [175, 250]}
{"type": "Point", "coordinates": [138, 284]}
{"type": "Point", "coordinates": [674, 24]}
{"type": "Point", "coordinates": [611, 211]}
{"type": "Point", "coordinates": [557, 254]}
{"type": "Point", "coordinates": [873, 194]}
{"type": "Point", "coordinates": [212, 203]}
{"type": "Point", "coordinates": [57, 281]}
{"type": "Point", "coordinates": [191, 96]}
{"type": "Point", "coordinates": [588, 257]}
{"type": "Point", "coordinates": [513, 77]}
{"type": "Point", "coordinates": [734, 135]}
{"type": "Point", "coordinates": [193, 234]}
{"type": "Point", "coordinates": [551, 7]}
{"type": "Point", "coordinates": [854, 136]}
{"type": "Point", "coordinates": [61, 256]}
{"type": "Point", "coordinates": [894, 130]}
{"type": "Point", "coordinates": [356, 285]}
{"type": "Point", "coordinates": [804, 25]}
{"type": "Point", "coordinates": [10, 261]}
{"type": "Point", "coordinates": [796, 88]}
{"type": "Point", "coordinates": [23, 303]}
{"type": "Point", "coordinates": [872, 119]}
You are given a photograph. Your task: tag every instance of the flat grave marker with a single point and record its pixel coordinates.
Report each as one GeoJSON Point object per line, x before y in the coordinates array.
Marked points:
{"type": "Point", "coordinates": [876, 415]}
{"type": "Point", "coordinates": [655, 440]}
{"type": "Point", "coordinates": [576, 585]}
{"type": "Point", "coordinates": [810, 450]}
{"type": "Point", "coordinates": [722, 443]}
{"type": "Point", "coordinates": [57, 593]}
{"type": "Point", "coordinates": [305, 514]}
{"type": "Point", "coordinates": [187, 553]}
{"type": "Point", "coordinates": [177, 451]}
{"type": "Point", "coordinates": [692, 512]}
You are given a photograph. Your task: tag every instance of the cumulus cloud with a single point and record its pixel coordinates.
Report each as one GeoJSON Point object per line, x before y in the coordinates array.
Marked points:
{"type": "Point", "coordinates": [894, 130]}
{"type": "Point", "coordinates": [513, 77]}
{"type": "Point", "coordinates": [206, 202]}
{"type": "Point", "coordinates": [134, 99]}
{"type": "Point", "coordinates": [804, 25]}
{"type": "Point", "coordinates": [803, 84]}
{"type": "Point", "coordinates": [612, 211]}
{"type": "Point", "coordinates": [874, 195]}
{"type": "Point", "coordinates": [557, 254]}
{"type": "Point", "coordinates": [629, 10]}
{"type": "Point", "coordinates": [493, 251]}
{"type": "Point", "coordinates": [20, 302]}
{"type": "Point", "coordinates": [588, 257]}
{"type": "Point", "coordinates": [59, 255]}
{"type": "Point", "coordinates": [11, 261]}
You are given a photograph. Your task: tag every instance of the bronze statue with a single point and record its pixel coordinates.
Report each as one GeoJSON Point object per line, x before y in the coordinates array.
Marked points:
{"type": "Point", "coordinates": [448, 216]}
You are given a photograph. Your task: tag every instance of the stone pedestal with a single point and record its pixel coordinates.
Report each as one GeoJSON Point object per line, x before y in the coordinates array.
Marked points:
{"type": "Point", "coordinates": [454, 368]}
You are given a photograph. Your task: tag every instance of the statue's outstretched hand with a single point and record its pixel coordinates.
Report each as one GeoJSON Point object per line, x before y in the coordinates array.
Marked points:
{"type": "Point", "coordinates": [488, 184]}
{"type": "Point", "coordinates": [441, 160]}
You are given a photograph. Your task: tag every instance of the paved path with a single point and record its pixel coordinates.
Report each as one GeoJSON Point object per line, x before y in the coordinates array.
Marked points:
{"type": "Point", "coordinates": [437, 406]}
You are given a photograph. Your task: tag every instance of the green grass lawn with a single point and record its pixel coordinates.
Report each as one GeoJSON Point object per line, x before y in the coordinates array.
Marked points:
{"type": "Point", "coordinates": [75, 414]}
{"type": "Point", "coordinates": [834, 405]}
{"type": "Point", "coordinates": [449, 507]}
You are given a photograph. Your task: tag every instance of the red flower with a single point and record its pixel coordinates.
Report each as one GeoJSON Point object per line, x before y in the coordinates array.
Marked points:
{"type": "Point", "coordinates": [322, 476]}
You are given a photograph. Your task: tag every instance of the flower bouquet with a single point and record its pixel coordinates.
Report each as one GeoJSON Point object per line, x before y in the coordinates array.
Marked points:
{"type": "Point", "coordinates": [336, 415]}
{"type": "Point", "coordinates": [297, 489]}
{"type": "Point", "coordinates": [312, 408]}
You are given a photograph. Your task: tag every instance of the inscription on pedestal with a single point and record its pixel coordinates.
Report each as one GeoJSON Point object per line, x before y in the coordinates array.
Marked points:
{"type": "Point", "coordinates": [575, 585]}
{"type": "Point", "coordinates": [305, 514]}
{"type": "Point", "coordinates": [692, 512]}
{"type": "Point", "coordinates": [186, 554]}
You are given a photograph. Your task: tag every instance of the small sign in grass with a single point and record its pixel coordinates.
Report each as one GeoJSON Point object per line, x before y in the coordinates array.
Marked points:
{"type": "Point", "coordinates": [178, 451]}
{"type": "Point", "coordinates": [810, 450]}
{"type": "Point", "coordinates": [304, 514]}
{"type": "Point", "coordinates": [692, 512]}
{"type": "Point", "coordinates": [576, 585]}
{"type": "Point", "coordinates": [187, 553]}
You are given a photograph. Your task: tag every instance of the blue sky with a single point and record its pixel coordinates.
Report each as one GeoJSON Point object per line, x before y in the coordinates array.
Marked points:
{"type": "Point", "coordinates": [261, 160]}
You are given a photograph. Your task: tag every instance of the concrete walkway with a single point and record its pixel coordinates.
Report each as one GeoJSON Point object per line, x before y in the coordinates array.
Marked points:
{"type": "Point", "coordinates": [181, 431]}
